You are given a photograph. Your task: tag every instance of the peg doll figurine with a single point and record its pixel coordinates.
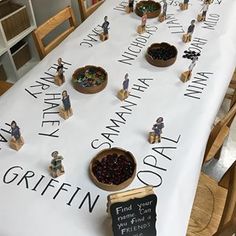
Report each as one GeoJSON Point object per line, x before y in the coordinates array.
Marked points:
{"type": "Point", "coordinates": [56, 168]}
{"type": "Point", "coordinates": [202, 17]}
{"type": "Point", "coordinates": [59, 79]}
{"type": "Point", "coordinates": [16, 141]}
{"type": "Point", "coordinates": [184, 5]}
{"type": "Point", "coordinates": [162, 16]}
{"type": "Point", "coordinates": [104, 35]}
{"type": "Point", "coordinates": [155, 136]}
{"type": "Point", "coordinates": [124, 93]}
{"type": "Point", "coordinates": [187, 37]}
{"type": "Point", "coordinates": [142, 28]}
{"type": "Point", "coordinates": [130, 7]}
{"type": "Point", "coordinates": [185, 76]}
{"type": "Point", "coordinates": [66, 111]}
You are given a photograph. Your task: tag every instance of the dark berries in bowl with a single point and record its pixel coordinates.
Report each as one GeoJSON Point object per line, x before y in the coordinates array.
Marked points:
{"type": "Point", "coordinates": [113, 169]}
{"type": "Point", "coordinates": [161, 54]}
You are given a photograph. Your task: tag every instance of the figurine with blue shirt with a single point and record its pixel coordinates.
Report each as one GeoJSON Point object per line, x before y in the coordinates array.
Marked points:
{"type": "Point", "coordinates": [16, 141]}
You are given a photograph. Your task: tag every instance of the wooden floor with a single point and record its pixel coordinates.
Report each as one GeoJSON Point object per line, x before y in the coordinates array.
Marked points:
{"type": "Point", "coordinates": [4, 86]}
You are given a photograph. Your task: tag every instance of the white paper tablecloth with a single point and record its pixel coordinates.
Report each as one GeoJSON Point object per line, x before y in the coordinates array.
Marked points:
{"type": "Point", "coordinates": [188, 117]}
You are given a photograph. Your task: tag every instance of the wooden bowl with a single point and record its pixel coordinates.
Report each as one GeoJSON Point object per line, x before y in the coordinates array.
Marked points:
{"type": "Point", "coordinates": [153, 9]}
{"type": "Point", "coordinates": [89, 79]}
{"type": "Point", "coordinates": [169, 53]}
{"type": "Point", "coordinates": [107, 153]}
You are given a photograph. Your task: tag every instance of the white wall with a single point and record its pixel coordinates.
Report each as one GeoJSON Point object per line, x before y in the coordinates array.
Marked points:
{"type": "Point", "coordinates": [44, 9]}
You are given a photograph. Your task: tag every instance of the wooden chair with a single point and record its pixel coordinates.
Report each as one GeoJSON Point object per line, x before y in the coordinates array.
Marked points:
{"type": "Point", "coordinates": [214, 208]}
{"type": "Point", "coordinates": [4, 86]}
{"type": "Point", "coordinates": [43, 30]}
{"type": "Point", "coordinates": [232, 86]}
{"type": "Point", "coordinates": [218, 134]}
{"type": "Point", "coordinates": [229, 228]}
{"type": "Point", "coordinates": [85, 12]}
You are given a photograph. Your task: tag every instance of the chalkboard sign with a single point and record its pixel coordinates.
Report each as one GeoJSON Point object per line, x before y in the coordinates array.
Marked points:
{"type": "Point", "coordinates": [135, 216]}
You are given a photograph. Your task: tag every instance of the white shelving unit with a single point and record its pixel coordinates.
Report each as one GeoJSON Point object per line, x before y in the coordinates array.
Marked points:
{"type": "Point", "coordinates": [7, 46]}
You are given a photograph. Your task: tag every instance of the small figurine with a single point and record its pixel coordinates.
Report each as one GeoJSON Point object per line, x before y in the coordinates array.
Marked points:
{"type": "Point", "coordinates": [16, 141]}
{"type": "Point", "coordinates": [104, 35]}
{"type": "Point", "coordinates": [157, 128]}
{"type": "Point", "coordinates": [184, 5]}
{"type": "Point", "coordinates": [66, 112]}
{"type": "Point", "coordinates": [59, 79]}
{"type": "Point", "coordinates": [162, 16]}
{"type": "Point", "coordinates": [202, 17]}
{"type": "Point", "coordinates": [142, 28]}
{"type": "Point", "coordinates": [124, 93]}
{"type": "Point", "coordinates": [130, 7]}
{"type": "Point", "coordinates": [185, 76]}
{"type": "Point", "coordinates": [188, 36]}
{"type": "Point", "coordinates": [56, 168]}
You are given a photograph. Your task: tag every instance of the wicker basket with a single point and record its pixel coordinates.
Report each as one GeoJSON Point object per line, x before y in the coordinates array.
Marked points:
{"type": "Point", "coordinates": [14, 19]}
{"type": "Point", "coordinates": [20, 54]}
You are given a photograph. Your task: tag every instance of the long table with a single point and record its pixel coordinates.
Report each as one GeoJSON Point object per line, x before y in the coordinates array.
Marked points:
{"type": "Point", "coordinates": [32, 203]}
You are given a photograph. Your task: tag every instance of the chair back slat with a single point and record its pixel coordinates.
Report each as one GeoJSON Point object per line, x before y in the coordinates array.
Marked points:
{"type": "Point", "coordinates": [58, 40]}
{"type": "Point", "coordinates": [228, 119]}
{"type": "Point", "coordinates": [218, 130]}
{"type": "Point", "coordinates": [43, 30]}
{"type": "Point", "coordinates": [217, 142]}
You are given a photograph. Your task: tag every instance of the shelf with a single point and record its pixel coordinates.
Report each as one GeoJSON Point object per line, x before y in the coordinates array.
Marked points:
{"type": "Point", "coordinates": [27, 67]}
{"type": "Point", "coordinates": [2, 44]}
{"type": "Point", "coordinates": [2, 50]}
{"type": "Point", "coordinates": [10, 58]}
{"type": "Point", "coordinates": [19, 37]}
{"type": "Point", "coordinates": [5, 60]}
